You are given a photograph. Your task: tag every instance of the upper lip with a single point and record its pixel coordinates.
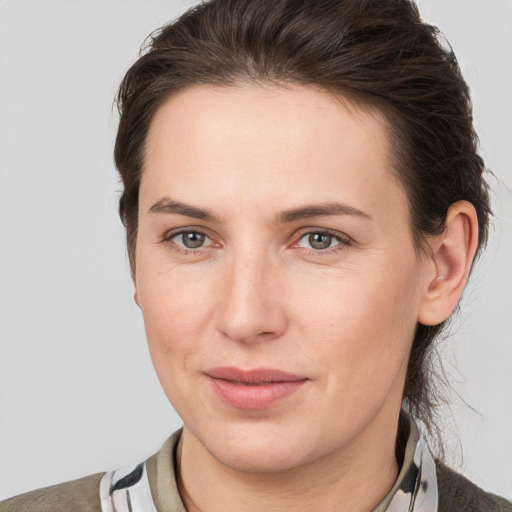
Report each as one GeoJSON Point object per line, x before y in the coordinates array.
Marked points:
{"type": "Point", "coordinates": [255, 376]}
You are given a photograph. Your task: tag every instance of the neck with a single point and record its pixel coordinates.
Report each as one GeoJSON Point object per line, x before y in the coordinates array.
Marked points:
{"type": "Point", "coordinates": [354, 478]}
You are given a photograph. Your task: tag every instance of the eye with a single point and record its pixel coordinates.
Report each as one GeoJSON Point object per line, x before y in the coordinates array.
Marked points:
{"type": "Point", "coordinates": [319, 241]}
{"type": "Point", "coordinates": [190, 239]}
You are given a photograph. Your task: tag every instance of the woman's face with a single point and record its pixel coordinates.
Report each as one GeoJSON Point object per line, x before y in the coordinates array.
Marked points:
{"type": "Point", "coordinates": [276, 273]}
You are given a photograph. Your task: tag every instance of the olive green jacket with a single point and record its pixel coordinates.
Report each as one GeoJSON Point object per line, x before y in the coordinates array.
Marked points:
{"type": "Point", "coordinates": [455, 492]}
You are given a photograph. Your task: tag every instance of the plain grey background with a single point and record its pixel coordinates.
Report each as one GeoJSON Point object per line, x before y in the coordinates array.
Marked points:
{"type": "Point", "coordinates": [77, 390]}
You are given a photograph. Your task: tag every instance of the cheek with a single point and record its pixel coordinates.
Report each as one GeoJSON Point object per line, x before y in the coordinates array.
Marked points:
{"type": "Point", "coordinates": [175, 312]}
{"type": "Point", "coordinates": [176, 308]}
{"type": "Point", "coordinates": [363, 324]}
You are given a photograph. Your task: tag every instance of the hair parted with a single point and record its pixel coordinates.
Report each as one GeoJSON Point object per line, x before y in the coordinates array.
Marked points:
{"type": "Point", "coordinates": [376, 53]}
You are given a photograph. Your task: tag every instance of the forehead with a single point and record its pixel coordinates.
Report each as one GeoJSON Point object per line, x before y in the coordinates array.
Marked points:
{"type": "Point", "coordinates": [231, 142]}
{"type": "Point", "coordinates": [288, 113]}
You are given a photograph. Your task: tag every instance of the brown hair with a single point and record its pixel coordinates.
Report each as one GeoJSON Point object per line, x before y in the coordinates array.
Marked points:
{"type": "Point", "coordinates": [377, 53]}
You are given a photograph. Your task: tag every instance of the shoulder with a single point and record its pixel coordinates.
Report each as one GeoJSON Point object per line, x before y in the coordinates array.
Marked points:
{"type": "Point", "coordinates": [78, 496]}
{"type": "Point", "coordinates": [85, 494]}
{"type": "Point", "coordinates": [457, 493]}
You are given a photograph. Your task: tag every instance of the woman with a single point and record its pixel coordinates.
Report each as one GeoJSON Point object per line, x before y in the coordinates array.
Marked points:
{"type": "Point", "coordinates": [303, 202]}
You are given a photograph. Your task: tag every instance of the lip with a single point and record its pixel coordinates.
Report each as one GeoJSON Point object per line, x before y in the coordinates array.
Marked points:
{"type": "Point", "coordinates": [253, 389]}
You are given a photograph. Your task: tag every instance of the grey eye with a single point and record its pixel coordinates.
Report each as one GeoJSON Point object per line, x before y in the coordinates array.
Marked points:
{"type": "Point", "coordinates": [318, 241]}
{"type": "Point", "coordinates": [190, 239]}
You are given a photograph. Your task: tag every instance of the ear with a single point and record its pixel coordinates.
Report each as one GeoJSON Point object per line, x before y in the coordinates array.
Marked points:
{"type": "Point", "coordinates": [452, 254]}
{"type": "Point", "coordinates": [134, 281]}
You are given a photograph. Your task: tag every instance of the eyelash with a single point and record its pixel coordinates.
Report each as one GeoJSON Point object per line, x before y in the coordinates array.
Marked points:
{"type": "Point", "coordinates": [167, 239]}
{"type": "Point", "coordinates": [344, 241]}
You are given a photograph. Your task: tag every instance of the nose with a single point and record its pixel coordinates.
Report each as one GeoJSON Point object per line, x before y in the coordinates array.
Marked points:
{"type": "Point", "coordinates": [250, 306]}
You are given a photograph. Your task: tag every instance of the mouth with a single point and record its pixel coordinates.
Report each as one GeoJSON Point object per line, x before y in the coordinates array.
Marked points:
{"type": "Point", "coordinates": [253, 389]}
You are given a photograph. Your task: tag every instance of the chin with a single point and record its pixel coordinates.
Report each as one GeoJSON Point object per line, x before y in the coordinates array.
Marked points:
{"type": "Point", "coordinates": [257, 448]}
{"type": "Point", "coordinates": [269, 458]}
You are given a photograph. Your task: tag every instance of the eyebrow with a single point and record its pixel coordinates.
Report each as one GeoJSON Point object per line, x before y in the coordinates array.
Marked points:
{"type": "Point", "coordinates": [166, 205]}
{"type": "Point", "coordinates": [319, 210]}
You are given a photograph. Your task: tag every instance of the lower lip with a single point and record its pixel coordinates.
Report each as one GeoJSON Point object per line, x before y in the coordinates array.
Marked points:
{"type": "Point", "coordinates": [254, 396]}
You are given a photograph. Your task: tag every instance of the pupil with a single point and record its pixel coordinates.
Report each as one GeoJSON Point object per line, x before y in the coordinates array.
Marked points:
{"type": "Point", "coordinates": [192, 240]}
{"type": "Point", "coordinates": [320, 240]}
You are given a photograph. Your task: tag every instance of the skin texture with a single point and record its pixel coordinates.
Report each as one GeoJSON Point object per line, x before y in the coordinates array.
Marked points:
{"type": "Point", "coordinates": [256, 294]}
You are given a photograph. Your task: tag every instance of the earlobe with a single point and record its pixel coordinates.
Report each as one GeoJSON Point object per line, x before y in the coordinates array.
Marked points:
{"type": "Point", "coordinates": [136, 298]}
{"type": "Point", "coordinates": [452, 255]}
